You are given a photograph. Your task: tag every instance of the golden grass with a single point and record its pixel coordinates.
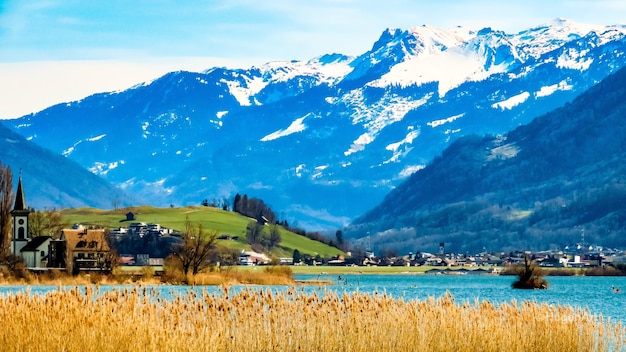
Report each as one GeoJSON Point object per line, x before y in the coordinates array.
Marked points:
{"type": "Point", "coordinates": [138, 319]}
{"type": "Point", "coordinates": [267, 275]}
{"type": "Point", "coordinates": [262, 275]}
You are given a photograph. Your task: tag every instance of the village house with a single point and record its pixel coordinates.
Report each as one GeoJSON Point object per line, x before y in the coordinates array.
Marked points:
{"type": "Point", "coordinates": [87, 249]}
{"type": "Point", "coordinates": [35, 252]}
{"type": "Point", "coordinates": [252, 258]}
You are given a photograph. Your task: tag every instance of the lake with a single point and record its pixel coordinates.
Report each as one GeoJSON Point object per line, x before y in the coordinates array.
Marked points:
{"type": "Point", "coordinates": [594, 293]}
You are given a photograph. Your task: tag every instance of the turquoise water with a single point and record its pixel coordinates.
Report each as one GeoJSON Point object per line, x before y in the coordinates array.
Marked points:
{"type": "Point", "coordinates": [593, 293]}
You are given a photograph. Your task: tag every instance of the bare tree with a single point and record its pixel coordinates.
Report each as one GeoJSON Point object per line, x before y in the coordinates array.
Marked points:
{"type": "Point", "coordinates": [6, 197]}
{"type": "Point", "coordinates": [46, 223]}
{"type": "Point", "coordinates": [275, 236]}
{"type": "Point", "coordinates": [194, 253]}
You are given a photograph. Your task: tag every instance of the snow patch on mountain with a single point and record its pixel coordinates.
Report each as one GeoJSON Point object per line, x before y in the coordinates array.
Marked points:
{"type": "Point", "coordinates": [67, 152]}
{"type": "Point", "coordinates": [359, 144]}
{"type": "Point", "coordinates": [97, 138]}
{"type": "Point", "coordinates": [244, 89]}
{"type": "Point", "coordinates": [409, 170]}
{"type": "Point", "coordinates": [299, 169]}
{"type": "Point", "coordinates": [512, 102]}
{"type": "Point", "coordinates": [327, 69]}
{"type": "Point", "coordinates": [375, 117]}
{"type": "Point", "coordinates": [542, 39]}
{"type": "Point", "coordinates": [440, 122]}
{"type": "Point", "coordinates": [450, 68]}
{"type": "Point", "coordinates": [296, 126]}
{"type": "Point", "coordinates": [574, 60]}
{"type": "Point", "coordinates": [319, 171]}
{"type": "Point", "coordinates": [549, 90]}
{"type": "Point", "coordinates": [390, 108]}
{"type": "Point", "coordinates": [100, 168]}
{"type": "Point", "coordinates": [407, 140]}
{"type": "Point", "coordinates": [396, 147]}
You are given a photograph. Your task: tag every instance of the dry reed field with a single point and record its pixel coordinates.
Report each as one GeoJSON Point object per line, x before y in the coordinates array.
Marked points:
{"type": "Point", "coordinates": [138, 319]}
{"type": "Point", "coordinates": [265, 275]}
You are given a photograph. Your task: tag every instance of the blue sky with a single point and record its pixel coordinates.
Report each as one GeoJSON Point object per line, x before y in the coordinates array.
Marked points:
{"type": "Point", "coordinates": [60, 50]}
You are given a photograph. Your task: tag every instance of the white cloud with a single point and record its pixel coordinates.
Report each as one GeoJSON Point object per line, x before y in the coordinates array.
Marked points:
{"type": "Point", "coordinates": [28, 87]}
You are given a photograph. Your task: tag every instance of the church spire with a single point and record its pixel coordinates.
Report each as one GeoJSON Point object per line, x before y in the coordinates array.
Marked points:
{"type": "Point", "coordinates": [20, 201]}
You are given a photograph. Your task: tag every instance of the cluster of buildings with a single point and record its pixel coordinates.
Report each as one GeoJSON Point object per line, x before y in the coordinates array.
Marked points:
{"type": "Point", "coordinates": [578, 255]}
{"type": "Point", "coordinates": [80, 249]}
{"type": "Point", "coordinates": [76, 250]}
{"type": "Point", "coordinates": [143, 244]}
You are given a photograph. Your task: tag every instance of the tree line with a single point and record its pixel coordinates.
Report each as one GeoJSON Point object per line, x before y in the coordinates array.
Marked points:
{"type": "Point", "coordinates": [257, 209]}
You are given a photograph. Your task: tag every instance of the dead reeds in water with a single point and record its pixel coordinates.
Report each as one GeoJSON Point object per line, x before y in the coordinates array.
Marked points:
{"type": "Point", "coordinates": [139, 319]}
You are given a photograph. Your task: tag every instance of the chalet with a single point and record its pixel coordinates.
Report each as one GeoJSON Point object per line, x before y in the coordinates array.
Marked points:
{"type": "Point", "coordinates": [86, 250]}
{"type": "Point", "coordinates": [252, 258]}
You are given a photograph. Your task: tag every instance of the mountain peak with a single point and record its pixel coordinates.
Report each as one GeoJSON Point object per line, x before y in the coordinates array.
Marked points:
{"type": "Point", "coordinates": [387, 36]}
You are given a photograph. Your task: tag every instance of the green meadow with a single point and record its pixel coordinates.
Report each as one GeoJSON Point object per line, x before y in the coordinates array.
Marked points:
{"type": "Point", "coordinates": [224, 222]}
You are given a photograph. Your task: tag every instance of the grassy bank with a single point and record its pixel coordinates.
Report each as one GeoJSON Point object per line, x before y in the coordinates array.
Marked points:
{"type": "Point", "coordinates": [225, 222]}
{"type": "Point", "coordinates": [137, 319]}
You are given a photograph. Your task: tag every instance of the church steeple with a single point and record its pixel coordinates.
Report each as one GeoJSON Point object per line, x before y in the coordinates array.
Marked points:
{"type": "Point", "coordinates": [20, 201]}
{"type": "Point", "coordinates": [20, 235]}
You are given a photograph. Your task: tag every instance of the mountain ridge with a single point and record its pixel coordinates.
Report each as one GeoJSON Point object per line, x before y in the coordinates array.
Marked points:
{"type": "Point", "coordinates": [299, 134]}
{"type": "Point", "coordinates": [51, 181]}
{"type": "Point", "coordinates": [537, 187]}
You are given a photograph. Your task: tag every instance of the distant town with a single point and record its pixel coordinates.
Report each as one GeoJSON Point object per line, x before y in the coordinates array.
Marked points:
{"type": "Point", "coordinates": [83, 248]}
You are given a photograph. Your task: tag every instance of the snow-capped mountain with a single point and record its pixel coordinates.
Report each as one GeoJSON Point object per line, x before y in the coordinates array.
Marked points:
{"type": "Point", "coordinates": [324, 140]}
{"type": "Point", "coordinates": [538, 186]}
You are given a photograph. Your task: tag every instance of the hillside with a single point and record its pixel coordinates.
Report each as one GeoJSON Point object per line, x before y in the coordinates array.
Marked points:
{"type": "Point", "coordinates": [224, 222]}
{"type": "Point", "coordinates": [326, 139]}
{"type": "Point", "coordinates": [557, 181]}
{"type": "Point", "coordinates": [52, 181]}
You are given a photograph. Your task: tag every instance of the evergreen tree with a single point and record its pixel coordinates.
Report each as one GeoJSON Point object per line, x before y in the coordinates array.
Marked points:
{"type": "Point", "coordinates": [339, 236]}
{"type": "Point", "coordinates": [236, 205]}
{"type": "Point", "coordinates": [297, 257]}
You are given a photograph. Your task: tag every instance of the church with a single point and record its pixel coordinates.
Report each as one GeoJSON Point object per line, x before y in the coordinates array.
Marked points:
{"type": "Point", "coordinates": [75, 250]}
